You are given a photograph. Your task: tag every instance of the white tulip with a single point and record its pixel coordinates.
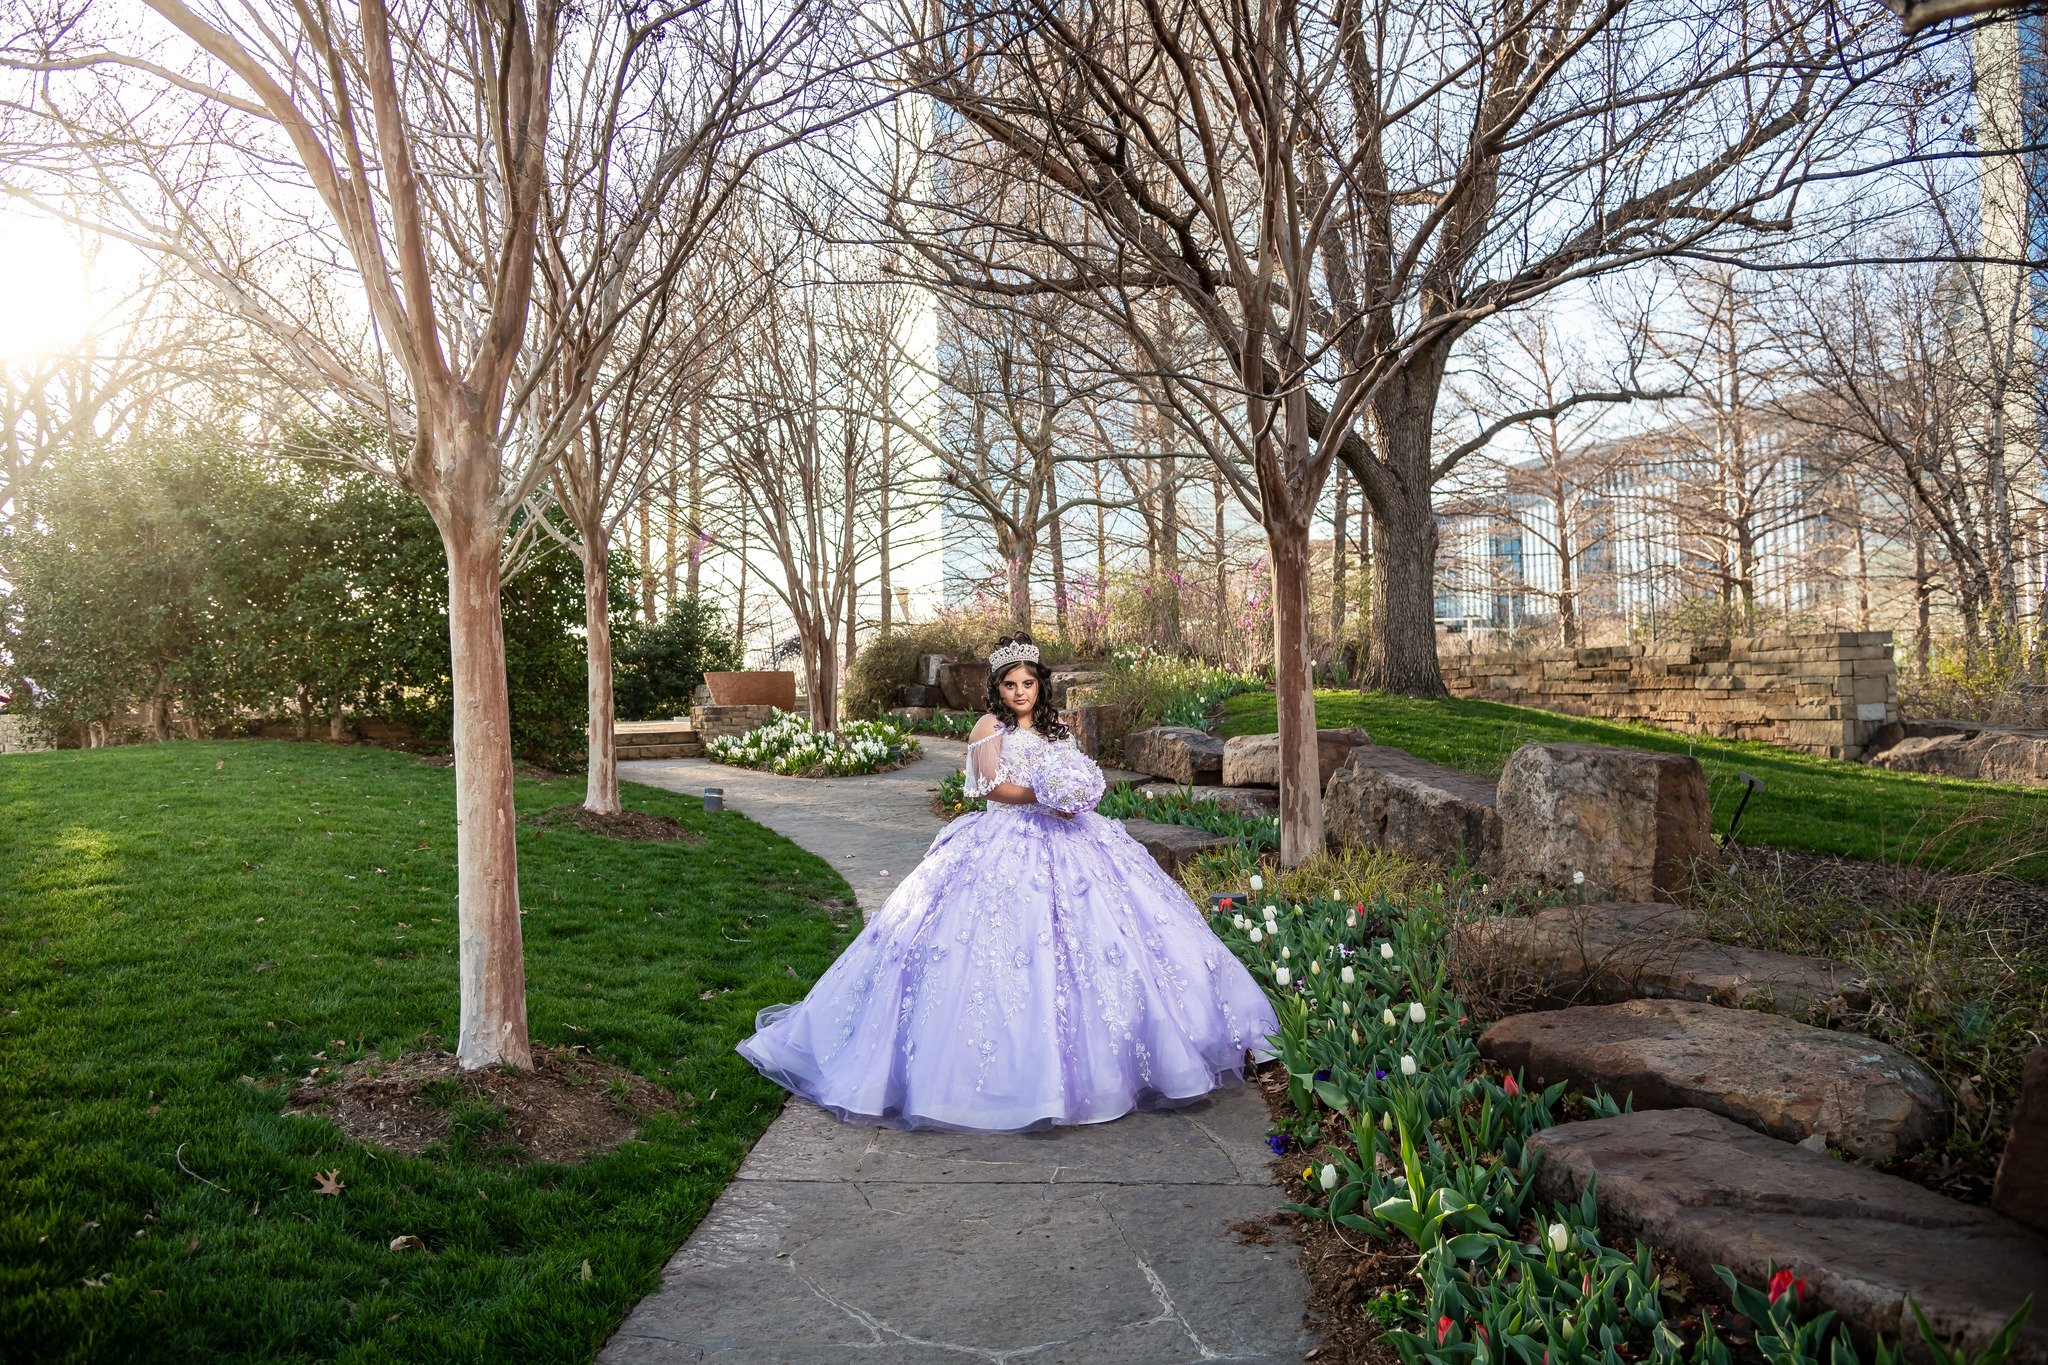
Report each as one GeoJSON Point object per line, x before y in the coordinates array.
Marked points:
{"type": "Point", "coordinates": [1407, 1064]}
{"type": "Point", "coordinates": [1258, 882]}
{"type": "Point", "coordinates": [1355, 1039]}
{"type": "Point", "coordinates": [1240, 921]}
{"type": "Point", "coordinates": [1346, 1006]}
{"type": "Point", "coordinates": [1387, 1018]}
{"type": "Point", "coordinates": [1272, 912]}
{"type": "Point", "coordinates": [1559, 1236]}
{"type": "Point", "coordinates": [1386, 1123]}
{"type": "Point", "coordinates": [1287, 952]}
{"type": "Point", "coordinates": [1282, 975]}
{"type": "Point", "coordinates": [1315, 969]}
{"type": "Point", "coordinates": [1578, 879]}
{"type": "Point", "coordinates": [1257, 937]}
{"type": "Point", "coordinates": [1348, 976]}
{"type": "Point", "coordinates": [1329, 1176]}
{"type": "Point", "coordinates": [1350, 919]}
{"type": "Point", "coordinates": [1386, 952]}
{"type": "Point", "coordinates": [1416, 1014]}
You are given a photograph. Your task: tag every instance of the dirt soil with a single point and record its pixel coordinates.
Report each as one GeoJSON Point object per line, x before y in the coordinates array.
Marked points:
{"type": "Point", "coordinates": [627, 824]}
{"type": "Point", "coordinates": [569, 1108]}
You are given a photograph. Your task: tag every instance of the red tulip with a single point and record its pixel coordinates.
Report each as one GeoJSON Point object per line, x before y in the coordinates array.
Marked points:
{"type": "Point", "coordinates": [1443, 1329]}
{"type": "Point", "coordinates": [1226, 902]}
{"type": "Point", "coordinates": [1783, 1281]}
{"type": "Point", "coordinates": [1508, 1084]}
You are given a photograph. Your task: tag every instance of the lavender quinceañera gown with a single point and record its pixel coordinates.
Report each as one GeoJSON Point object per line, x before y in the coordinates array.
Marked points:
{"type": "Point", "coordinates": [1032, 971]}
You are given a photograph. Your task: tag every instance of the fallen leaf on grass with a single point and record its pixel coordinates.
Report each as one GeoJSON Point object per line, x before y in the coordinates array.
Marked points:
{"type": "Point", "coordinates": [586, 1269]}
{"type": "Point", "coordinates": [407, 1243]}
{"type": "Point", "coordinates": [330, 1182]}
{"type": "Point", "coordinates": [792, 972]}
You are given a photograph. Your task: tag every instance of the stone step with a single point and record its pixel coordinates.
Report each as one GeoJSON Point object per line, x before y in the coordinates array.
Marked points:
{"type": "Point", "coordinates": [1178, 753]}
{"type": "Point", "coordinates": [692, 749]}
{"type": "Point", "coordinates": [1783, 1078]}
{"type": "Point", "coordinates": [1613, 951]}
{"type": "Point", "coordinates": [1173, 846]}
{"type": "Point", "coordinates": [1384, 798]}
{"type": "Point", "coordinates": [1707, 1191]}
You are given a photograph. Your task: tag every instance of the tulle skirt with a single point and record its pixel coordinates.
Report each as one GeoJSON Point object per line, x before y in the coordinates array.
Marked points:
{"type": "Point", "coordinates": [1031, 972]}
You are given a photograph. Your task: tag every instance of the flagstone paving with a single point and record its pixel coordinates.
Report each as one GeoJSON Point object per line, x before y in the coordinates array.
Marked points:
{"type": "Point", "coordinates": [1105, 1243]}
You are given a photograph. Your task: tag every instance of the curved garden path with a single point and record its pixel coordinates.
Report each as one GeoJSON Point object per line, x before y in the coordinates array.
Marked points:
{"type": "Point", "coordinates": [1106, 1243]}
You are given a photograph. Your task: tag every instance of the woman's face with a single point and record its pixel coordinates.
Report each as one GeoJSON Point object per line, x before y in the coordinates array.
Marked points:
{"type": "Point", "coordinates": [1019, 690]}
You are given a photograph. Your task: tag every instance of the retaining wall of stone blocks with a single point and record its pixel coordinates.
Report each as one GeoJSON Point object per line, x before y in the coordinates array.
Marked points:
{"type": "Point", "coordinates": [15, 737]}
{"type": "Point", "coordinates": [1825, 693]}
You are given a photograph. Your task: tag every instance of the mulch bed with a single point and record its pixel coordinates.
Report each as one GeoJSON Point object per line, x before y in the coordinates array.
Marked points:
{"type": "Point", "coordinates": [569, 1108]}
{"type": "Point", "coordinates": [626, 824]}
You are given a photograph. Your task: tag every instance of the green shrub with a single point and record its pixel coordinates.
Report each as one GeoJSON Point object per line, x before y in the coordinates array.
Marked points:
{"type": "Point", "coordinates": [1165, 689]}
{"type": "Point", "coordinates": [888, 663]}
{"type": "Point", "coordinates": [659, 667]}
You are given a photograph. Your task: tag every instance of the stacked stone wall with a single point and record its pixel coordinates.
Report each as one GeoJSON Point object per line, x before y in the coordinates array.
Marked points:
{"type": "Point", "coordinates": [1827, 693]}
{"type": "Point", "coordinates": [15, 736]}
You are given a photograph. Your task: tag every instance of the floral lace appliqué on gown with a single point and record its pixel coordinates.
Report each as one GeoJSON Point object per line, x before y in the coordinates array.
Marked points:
{"type": "Point", "coordinates": [1033, 970]}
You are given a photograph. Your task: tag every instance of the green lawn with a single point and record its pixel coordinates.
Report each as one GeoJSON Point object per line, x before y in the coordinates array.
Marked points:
{"type": "Point", "coordinates": [1821, 804]}
{"type": "Point", "coordinates": [185, 928]}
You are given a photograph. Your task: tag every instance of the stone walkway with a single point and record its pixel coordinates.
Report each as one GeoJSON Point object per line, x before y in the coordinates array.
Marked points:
{"type": "Point", "coordinates": [1107, 1243]}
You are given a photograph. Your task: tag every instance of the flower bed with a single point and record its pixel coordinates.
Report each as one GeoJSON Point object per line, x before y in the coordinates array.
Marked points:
{"type": "Point", "coordinates": [1255, 833]}
{"type": "Point", "coordinates": [1409, 1140]}
{"type": "Point", "coordinates": [790, 745]}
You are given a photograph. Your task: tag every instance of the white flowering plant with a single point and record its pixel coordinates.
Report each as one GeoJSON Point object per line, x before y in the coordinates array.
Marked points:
{"type": "Point", "coordinates": [1377, 1044]}
{"type": "Point", "coordinates": [789, 744]}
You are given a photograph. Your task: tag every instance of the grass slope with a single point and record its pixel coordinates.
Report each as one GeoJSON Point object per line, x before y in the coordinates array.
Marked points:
{"type": "Point", "coordinates": [1820, 804]}
{"type": "Point", "coordinates": [186, 928]}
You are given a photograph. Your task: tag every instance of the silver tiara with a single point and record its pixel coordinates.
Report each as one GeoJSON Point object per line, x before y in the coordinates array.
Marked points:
{"type": "Point", "coordinates": [1021, 652]}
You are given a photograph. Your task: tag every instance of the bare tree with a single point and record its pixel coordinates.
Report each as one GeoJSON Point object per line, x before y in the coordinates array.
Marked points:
{"type": "Point", "coordinates": [1336, 197]}
{"type": "Point", "coordinates": [407, 147]}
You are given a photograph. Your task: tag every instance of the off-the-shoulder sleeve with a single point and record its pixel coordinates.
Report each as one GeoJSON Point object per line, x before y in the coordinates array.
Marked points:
{"type": "Point", "coordinates": [984, 764]}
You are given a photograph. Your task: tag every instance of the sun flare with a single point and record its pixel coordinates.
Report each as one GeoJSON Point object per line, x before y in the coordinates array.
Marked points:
{"type": "Point", "coordinates": [45, 294]}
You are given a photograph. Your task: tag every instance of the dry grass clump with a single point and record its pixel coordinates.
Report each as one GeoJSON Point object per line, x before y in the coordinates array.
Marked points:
{"type": "Point", "coordinates": [1955, 965]}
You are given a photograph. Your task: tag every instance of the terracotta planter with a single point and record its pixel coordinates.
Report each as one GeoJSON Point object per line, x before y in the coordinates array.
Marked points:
{"type": "Point", "coordinates": [758, 687]}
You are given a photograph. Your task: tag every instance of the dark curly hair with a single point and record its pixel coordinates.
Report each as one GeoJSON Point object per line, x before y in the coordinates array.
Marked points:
{"type": "Point", "coordinates": [1045, 717]}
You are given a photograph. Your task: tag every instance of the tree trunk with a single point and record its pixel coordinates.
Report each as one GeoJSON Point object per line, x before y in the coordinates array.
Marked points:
{"type": "Point", "coordinates": [1301, 794]}
{"type": "Point", "coordinates": [1402, 657]}
{"type": "Point", "coordinates": [1923, 603]}
{"type": "Point", "coordinates": [601, 787]}
{"type": "Point", "coordinates": [646, 562]}
{"type": "Point", "coordinates": [1338, 518]}
{"type": "Point", "coordinates": [882, 525]}
{"type": "Point", "coordinates": [491, 961]}
{"type": "Point", "coordinates": [1055, 545]}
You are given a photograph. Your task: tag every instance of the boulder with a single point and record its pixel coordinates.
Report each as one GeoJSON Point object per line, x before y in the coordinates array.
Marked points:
{"type": "Point", "coordinates": [1068, 679]}
{"type": "Point", "coordinates": [1985, 756]}
{"type": "Point", "coordinates": [1775, 1075]}
{"type": "Point", "coordinates": [1172, 846]}
{"type": "Point", "coordinates": [1384, 798]}
{"type": "Point", "coordinates": [1254, 760]}
{"type": "Point", "coordinates": [964, 684]}
{"type": "Point", "coordinates": [1246, 801]}
{"type": "Point", "coordinates": [2022, 1188]}
{"type": "Point", "coordinates": [1632, 820]}
{"type": "Point", "coordinates": [1706, 1191]}
{"type": "Point", "coordinates": [919, 695]}
{"type": "Point", "coordinates": [1178, 753]}
{"type": "Point", "coordinates": [1098, 730]}
{"type": "Point", "coordinates": [1611, 951]}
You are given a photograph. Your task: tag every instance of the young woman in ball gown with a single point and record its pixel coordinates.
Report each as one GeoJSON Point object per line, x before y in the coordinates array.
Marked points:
{"type": "Point", "coordinates": [1037, 968]}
